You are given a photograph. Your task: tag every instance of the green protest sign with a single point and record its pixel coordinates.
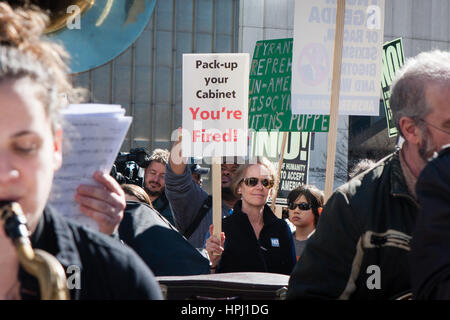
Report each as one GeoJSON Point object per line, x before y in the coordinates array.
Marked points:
{"type": "Point", "coordinates": [393, 60]}
{"type": "Point", "coordinates": [270, 91]}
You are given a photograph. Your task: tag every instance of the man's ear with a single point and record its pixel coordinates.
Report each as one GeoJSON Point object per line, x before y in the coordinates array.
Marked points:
{"type": "Point", "coordinates": [410, 130]}
{"type": "Point", "coordinates": [57, 149]}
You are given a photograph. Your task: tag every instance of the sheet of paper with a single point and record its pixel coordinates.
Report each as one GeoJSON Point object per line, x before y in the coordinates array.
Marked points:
{"type": "Point", "coordinates": [92, 141]}
{"type": "Point", "coordinates": [103, 110]}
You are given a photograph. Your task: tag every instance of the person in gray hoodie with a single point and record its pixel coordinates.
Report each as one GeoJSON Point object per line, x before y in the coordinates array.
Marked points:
{"type": "Point", "coordinates": [191, 205]}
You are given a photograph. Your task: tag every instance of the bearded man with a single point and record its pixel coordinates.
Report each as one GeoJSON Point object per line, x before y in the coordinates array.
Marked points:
{"type": "Point", "coordinates": [154, 183]}
{"type": "Point", "coordinates": [361, 247]}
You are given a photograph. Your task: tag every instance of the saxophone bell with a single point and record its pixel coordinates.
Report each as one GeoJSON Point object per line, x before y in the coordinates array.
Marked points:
{"type": "Point", "coordinates": [39, 263]}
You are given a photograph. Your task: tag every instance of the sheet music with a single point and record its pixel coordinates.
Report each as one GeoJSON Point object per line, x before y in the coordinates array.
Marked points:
{"type": "Point", "coordinates": [92, 135]}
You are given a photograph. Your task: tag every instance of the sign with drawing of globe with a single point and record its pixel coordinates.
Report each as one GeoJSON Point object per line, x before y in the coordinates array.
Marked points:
{"type": "Point", "coordinates": [312, 57]}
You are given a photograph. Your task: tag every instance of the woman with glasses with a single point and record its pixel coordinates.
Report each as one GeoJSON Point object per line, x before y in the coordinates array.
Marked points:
{"type": "Point", "coordinates": [253, 238]}
{"type": "Point", "coordinates": [305, 205]}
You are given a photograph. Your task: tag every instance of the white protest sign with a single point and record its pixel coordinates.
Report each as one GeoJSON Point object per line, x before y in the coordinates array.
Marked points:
{"type": "Point", "coordinates": [314, 28]}
{"type": "Point", "coordinates": [215, 104]}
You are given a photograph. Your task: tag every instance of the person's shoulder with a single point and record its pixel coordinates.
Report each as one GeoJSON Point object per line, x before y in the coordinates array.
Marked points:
{"type": "Point", "coordinates": [281, 224]}
{"type": "Point", "coordinates": [443, 155]}
{"type": "Point", "coordinates": [98, 250]}
{"type": "Point", "coordinates": [366, 181]}
{"type": "Point", "coordinates": [97, 242]}
{"type": "Point", "coordinates": [235, 217]}
{"type": "Point", "coordinates": [95, 247]}
{"type": "Point", "coordinates": [437, 168]}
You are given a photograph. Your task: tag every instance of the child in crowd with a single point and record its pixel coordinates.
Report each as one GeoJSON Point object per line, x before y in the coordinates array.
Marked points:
{"type": "Point", "coordinates": [304, 205]}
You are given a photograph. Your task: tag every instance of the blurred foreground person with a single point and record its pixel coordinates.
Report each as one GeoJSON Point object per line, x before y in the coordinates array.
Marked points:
{"type": "Point", "coordinates": [136, 193]}
{"type": "Point", "coordinates": [361, 247]}
{"type": "Point", "coordinates": [33, 78]}
{"type": "Point", "coordinates": [430, 248]}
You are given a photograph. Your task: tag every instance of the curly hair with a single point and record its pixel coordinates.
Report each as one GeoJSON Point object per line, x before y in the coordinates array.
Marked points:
{"type": "Point", "coordinates": [24, 54]}
{"type": "Point", "coordinates": [160, 155]}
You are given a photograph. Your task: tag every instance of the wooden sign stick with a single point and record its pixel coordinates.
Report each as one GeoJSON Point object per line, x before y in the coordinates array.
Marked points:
{"type": "Point", "coordinates": [280, 163]}
{"type": "Point", "coordinates": [217, 195]}
{"type": "Point", "coordinates": [334, 100]}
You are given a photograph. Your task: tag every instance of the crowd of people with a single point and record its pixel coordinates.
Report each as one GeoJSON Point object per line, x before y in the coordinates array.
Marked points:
{"type": "Point", "coordinates": [381, 235]}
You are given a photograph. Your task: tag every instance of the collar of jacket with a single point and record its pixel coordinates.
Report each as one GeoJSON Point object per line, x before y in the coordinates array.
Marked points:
{"type": "Point", "coordinates": [56, 229]}
{"type": "Point", "coordinates": [398, 182]}
{"type": "Point", "coordinates": [268, 216]}
{"type": "Point", "coordinates": [53, 235]}
{"type": "Point", "coordinates": [161, 203]}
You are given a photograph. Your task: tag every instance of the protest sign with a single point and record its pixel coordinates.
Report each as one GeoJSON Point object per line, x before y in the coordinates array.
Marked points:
{"type": "Point", "coordinates": [314, 32]}
{"type": "Point", "coordinates": [270, 91]}
{"type": "Point", "coordinates": [294, 169]}
{"type": "Point", "coordinates": [393, 60]}
{"type": "Point", "coordinates": [215, 105]}
{"type": "Point", "coordinates": [270, 96]}
{"type": "Point", "coordinates": [215, 113]}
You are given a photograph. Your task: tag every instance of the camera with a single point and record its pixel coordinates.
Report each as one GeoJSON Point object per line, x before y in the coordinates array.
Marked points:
{"type": "Point", "coordinates": [129, 167]}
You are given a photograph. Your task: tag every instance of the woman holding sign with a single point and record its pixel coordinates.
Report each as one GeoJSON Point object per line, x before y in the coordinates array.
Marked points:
{"type": "Point", "coordinates": [253, 238]}
{"type": "Point", "coordinates": [33, 80]}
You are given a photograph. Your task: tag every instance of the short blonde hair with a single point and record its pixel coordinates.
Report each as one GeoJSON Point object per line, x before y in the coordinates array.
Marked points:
{"type": "Point", "coordinates": [242, 170]}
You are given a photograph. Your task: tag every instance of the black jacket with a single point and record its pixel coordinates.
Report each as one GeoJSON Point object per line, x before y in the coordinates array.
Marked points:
{"type": "Point", "coordinates": [273, 252]}
{"type": "Point", "coordinates": [361, 246]}
{"type": "Point", "coordinates": [161, 204]}
{"type": "Point", "coordinates": [158, 243]}
{"type": "Point", "coordinates": [109, 269]}
{"type": "Point", "coordinates": [430, 255]}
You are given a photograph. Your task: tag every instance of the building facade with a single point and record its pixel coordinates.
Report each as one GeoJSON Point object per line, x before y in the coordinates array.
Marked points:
{"type": "Point", "coordinates": [146, 79]}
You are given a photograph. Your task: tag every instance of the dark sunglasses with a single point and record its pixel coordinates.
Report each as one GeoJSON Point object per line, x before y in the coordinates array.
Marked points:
{"type": "Point", "coordinates": [252, 182]}
{"type": "Point", "coordinates": [301, 206]}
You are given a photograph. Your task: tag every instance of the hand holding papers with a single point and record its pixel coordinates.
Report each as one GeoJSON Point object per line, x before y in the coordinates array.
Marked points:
{"type": "Point", "coordinates": [92, 137]}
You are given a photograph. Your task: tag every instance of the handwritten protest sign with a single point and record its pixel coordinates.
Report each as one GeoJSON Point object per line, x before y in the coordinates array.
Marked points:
{"type": "Point", "coordinates": [393, 60]}
{"type": "Point", "coordinates": [294, 169]}
{"type": "Point", "coordinates": [215, 105]}
{"type": "Point", "coordinates": [314, 31]}
{"type": "Point", "coordinates": [270, 90]}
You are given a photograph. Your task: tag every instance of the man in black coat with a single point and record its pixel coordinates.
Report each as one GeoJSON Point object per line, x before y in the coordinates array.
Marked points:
{"type": "Point", "coordinates": [430, 255]}
{"type": "Point", "coordinates": [361, 247]}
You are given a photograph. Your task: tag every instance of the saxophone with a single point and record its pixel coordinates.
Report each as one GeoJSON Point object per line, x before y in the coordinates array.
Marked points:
{"type": "Point", "coordinates": [39, 263]}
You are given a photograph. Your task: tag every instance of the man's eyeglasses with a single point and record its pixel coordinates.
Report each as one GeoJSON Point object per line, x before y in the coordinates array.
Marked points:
{"type": "Point", "coordinates": [252, 182]}
{"type": "Point", "coordinates": [302, 206]}
{"type": "Point", "coordinates": [436, 127]}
